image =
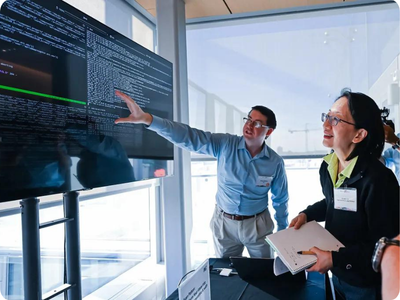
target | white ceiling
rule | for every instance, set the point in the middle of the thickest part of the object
(208, 8)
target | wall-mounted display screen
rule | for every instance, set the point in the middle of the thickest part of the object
(59, 70)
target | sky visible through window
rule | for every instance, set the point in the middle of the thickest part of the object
(295, 64)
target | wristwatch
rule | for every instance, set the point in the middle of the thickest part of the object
(379, 249)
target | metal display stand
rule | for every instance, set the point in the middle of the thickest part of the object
(31, 248)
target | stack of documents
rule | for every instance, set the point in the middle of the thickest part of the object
(288, 242)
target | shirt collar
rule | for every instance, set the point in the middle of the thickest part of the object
(264, 151)
(242, 143)
(332, 161)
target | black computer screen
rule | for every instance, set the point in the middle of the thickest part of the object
(59, 70)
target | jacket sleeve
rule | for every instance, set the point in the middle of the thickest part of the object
(316, 212)
(382, 212)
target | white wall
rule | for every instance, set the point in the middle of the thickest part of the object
(118, 15)
(380, 91)
(93, 8)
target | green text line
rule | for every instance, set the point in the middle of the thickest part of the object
(40, 94)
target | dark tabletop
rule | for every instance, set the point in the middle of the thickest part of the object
(283, 287)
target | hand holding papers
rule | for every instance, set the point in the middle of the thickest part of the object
(289, 241)
(305, 252)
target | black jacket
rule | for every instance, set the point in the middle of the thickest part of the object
(377, 215)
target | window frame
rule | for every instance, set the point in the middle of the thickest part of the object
(236, 19)
(156, 259)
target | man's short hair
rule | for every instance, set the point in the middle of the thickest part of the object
(269, 114)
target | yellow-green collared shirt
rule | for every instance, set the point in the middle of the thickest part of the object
(333, 164)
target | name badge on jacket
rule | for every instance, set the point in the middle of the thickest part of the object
(345, 199)
(264, 181)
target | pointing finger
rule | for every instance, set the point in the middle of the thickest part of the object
(123, 120)
(123, 96)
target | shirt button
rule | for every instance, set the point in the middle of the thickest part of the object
(349, 266)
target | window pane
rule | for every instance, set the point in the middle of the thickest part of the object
(51, 242)
(94, 8)
(304, 190)
(142, 34)
(197, 108)
(115, 236)
(11, 285)
(52, 249)
(220, 115)
(204, 188)
(296, 65)
(115, 229)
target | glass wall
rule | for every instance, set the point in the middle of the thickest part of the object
(115, 236)
(296, 64)
(117, 224)
(302, 176)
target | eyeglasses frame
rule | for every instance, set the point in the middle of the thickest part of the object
(330, 119)
(256, 124)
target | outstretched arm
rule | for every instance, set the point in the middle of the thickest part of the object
(137, 116)
(179, 134)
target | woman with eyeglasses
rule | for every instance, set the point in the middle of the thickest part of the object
(361, 196)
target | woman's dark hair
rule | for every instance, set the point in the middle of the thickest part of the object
(366, 115)
(269, 114)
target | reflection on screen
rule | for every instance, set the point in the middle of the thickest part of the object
(59, 70)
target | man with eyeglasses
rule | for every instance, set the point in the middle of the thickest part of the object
(247, 170)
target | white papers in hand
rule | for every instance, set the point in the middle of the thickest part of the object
(279, 267)
(287, 242)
